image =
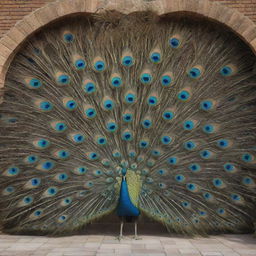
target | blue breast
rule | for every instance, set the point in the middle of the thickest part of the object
(125, 207)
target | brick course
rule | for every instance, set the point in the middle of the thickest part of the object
(12, 11)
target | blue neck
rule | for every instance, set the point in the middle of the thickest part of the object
(125, 207)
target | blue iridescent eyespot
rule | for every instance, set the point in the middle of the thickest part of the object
(168, 115)
(202, 213)
(161, 171)
(63, 79)
(155, 152)
(63, 154)
(146, 123)
(52, 191)
(47, 165)
(78, 138)
(172, 160)
(97, 172)
(226, 71)
(28, 199)
(35, 182)
(108, 104)
(80, 64)
(208, 128)
(220, 211)
(38, 213)
(99, 65)
(166, 139)
(183, 95)
(194, 72)
(152, 101)
(68, 37)
(127, 61)
(128, 117)
(71, 104)
(116, 82)
(185, 204)
(9, 189)
(81, 170)
(205, 154)
(207, 196)
(101, 141)
(174, 42)
(13, 170)
(35, 83)
(188, 125)
(190, 145)
(166, 80)
(217, 182)
(127, 136)
(162, 185)
(93, 156)
(62, 177)
(247, 157)
(31, 159)
(67, 201)
(130, 98)
(132, 153)
(222, 143)
(111, 126)
(90, 113)
(194, 167)
(43, 143)
(179, 178)
(206, 105)
(60, 127)
(62, 218)
(146, 78)
(143, 144)
(46, 106)
(89, 87)
(155, 57)
(235, 197)
(191, 187)
(116, 154)
(248, 181)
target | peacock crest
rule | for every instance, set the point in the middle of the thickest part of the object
(172, 100)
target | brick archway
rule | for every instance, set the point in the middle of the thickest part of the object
(10, 43)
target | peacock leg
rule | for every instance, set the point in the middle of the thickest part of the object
(121, 230)
(135, 231)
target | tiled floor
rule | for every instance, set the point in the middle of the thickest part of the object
(106, 245)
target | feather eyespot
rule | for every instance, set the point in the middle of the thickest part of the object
(34, 83)
(155, 57)
(166, 140)
(184, 95)
(174, 42)
(68, 37)
(146, 78)
(152, 101)
(127, 136)
(127, 61)
(80, 64)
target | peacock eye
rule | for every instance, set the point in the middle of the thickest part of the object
(174, 42)
(68, 37)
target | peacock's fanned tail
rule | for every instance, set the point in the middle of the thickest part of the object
(172, 100)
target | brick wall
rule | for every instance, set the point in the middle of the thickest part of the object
(13, 10)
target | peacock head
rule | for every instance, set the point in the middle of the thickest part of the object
(124, 170)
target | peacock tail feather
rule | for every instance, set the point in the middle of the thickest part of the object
(171, 100)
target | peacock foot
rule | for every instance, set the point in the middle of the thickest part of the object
(119, 238)
(137, 238)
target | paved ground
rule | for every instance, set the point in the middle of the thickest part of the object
(107, 245)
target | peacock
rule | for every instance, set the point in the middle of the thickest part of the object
(133, 114)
